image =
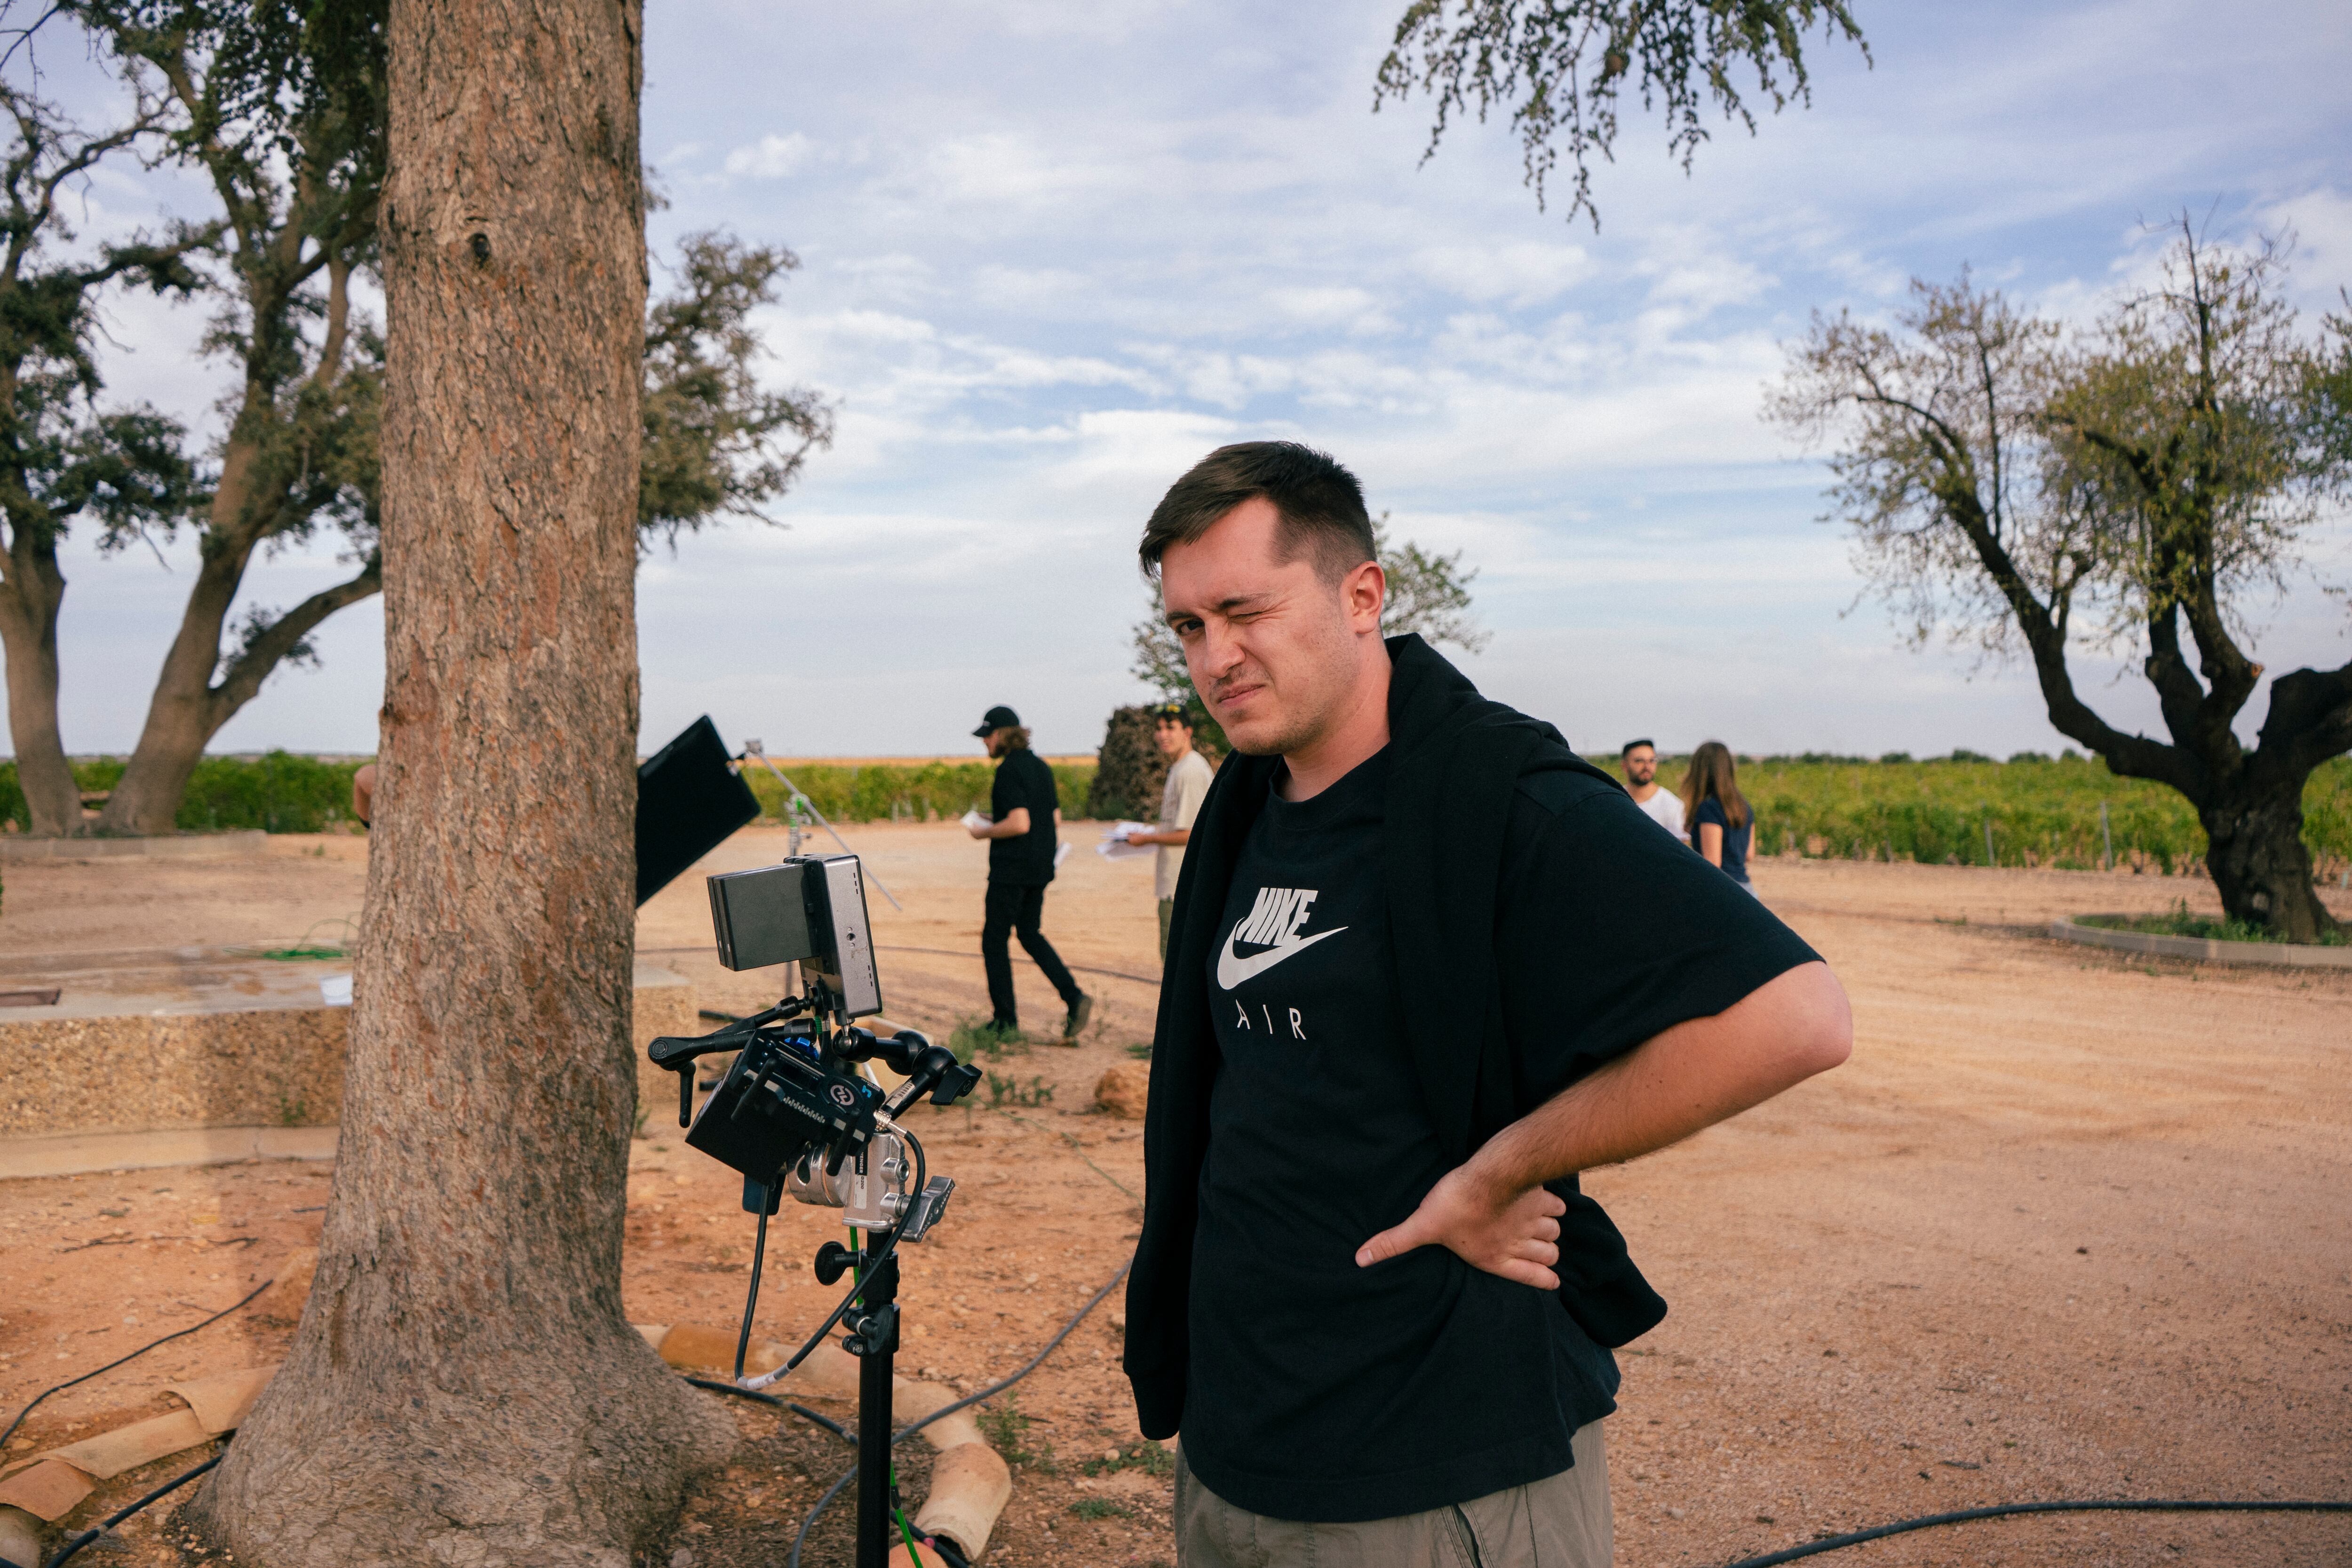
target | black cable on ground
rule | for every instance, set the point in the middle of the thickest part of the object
(828, 1422)
(2120, 1505)
(142, 1350)
(118, 1515)
(716, 1386)
(1151, 980)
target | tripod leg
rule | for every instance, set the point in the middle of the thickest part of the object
(880, 1337)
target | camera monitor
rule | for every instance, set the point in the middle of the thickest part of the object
(812, 911)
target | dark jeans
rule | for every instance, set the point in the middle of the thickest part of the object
(1017, 911)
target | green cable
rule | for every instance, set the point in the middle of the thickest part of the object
(905, 1530)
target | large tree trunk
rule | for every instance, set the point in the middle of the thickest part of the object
(29, 601)
(2261, 866)
(180, 712)
(464, 1387)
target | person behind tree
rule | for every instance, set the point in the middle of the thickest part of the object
(1407, 999)
(1023, 809)
(1721, 824)
(1189, 777)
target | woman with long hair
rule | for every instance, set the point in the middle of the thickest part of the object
(1721, 825)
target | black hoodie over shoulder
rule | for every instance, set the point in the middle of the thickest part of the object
(1538, 926)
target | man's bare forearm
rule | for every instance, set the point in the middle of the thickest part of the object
(1695, 1075)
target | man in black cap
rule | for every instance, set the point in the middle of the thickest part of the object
(1022, 811)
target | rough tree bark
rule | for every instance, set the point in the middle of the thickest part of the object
(31, 593)
(464, 1387)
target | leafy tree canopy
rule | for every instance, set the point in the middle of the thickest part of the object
(2129, 487)
(1559, 68)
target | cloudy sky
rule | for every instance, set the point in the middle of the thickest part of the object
(1055, 251)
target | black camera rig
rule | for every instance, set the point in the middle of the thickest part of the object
(792, 1116)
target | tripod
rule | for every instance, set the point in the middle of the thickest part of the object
(873, 1325)
(774, 1074)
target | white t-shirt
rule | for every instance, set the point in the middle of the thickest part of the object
(1665, 809)
(1188, 778)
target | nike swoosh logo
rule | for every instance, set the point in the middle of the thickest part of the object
(1233, 968)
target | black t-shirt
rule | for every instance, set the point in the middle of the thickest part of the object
(1024, 779)
(1736, 840)
(1317, 1389)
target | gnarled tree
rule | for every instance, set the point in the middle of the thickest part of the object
(62, 454)
(280, 108)
(2111, 489)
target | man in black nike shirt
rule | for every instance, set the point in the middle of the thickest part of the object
(1406, 1002)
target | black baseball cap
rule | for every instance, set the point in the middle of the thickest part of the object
(998, 718)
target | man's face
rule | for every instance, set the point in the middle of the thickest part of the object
(1175, 738)
(994, 742)
(1641, 765)
(1272, 647)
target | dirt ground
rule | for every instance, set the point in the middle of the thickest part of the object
(2068, 1225)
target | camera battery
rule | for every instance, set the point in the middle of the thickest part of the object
(773, 1104)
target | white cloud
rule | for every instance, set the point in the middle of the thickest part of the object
(1056, 253)
(1524, 272)
(773, 157)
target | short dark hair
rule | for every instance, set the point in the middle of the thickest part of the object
(1320, 504)
(1629, 746)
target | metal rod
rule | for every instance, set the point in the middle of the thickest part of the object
(877, 1295)
(751, 749)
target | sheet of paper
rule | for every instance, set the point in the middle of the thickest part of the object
(972, 819)
(1115, 846)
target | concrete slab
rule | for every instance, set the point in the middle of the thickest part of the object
(198, 1039)
(248, 841)
(2285, 954)
(82, 1154)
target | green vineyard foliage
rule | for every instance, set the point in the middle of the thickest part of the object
(905, 792)
(279, 793)
(2043, 812)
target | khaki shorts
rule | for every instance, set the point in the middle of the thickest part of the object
(1561, 1521)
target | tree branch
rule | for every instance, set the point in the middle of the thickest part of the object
(1956, 495)
(241, 681)
(2310, 717)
